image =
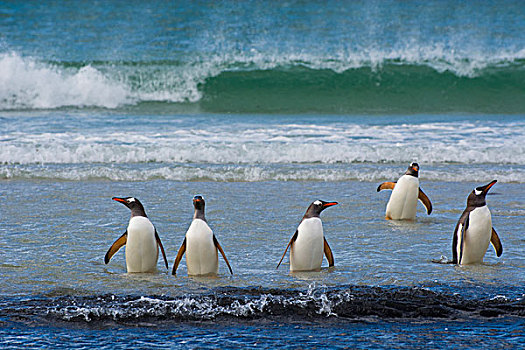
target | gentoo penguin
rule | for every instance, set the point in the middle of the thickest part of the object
(200, 245)
(405, 193)
(474, 230)
(141, 239)
(308, 242)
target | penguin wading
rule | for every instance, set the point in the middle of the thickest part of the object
(402, 204)
(200, 245)
(141, 240)
(474, 230)
(308, 243)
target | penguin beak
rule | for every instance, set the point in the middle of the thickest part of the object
(121, 200)
(415, 168)
(487, 187)
(329, 204)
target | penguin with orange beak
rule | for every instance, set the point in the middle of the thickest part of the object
(402, 204)
(308, 243)
(200, 245)
(141, 240)
(474, 230)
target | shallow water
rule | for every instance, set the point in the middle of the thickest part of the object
(56, 233)
(58, 220)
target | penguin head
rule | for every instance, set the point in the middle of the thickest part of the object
(413, 169)
(198, 202)
(315, 209)
(137, 209)
(477, 196)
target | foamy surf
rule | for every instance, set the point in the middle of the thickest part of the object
(26, 83)
(233, 149)
(257, 173)
(250, 143)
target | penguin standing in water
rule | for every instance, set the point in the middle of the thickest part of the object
(405, 193)
(141, 239)
(474, 230)
(200, 245)
(308, 243)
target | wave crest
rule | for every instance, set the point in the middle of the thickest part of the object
(29, 84)
(411, 80)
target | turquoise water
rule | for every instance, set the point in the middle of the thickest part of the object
(261, 110)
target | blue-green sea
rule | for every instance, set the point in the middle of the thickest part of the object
(261, 108)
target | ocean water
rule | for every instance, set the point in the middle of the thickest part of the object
(261, 109)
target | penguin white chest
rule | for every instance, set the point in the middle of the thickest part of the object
(402, 204)
(201, 253)
(142, 251)
(306, 253)
(477, 236)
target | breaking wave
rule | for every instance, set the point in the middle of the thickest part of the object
(422, 80)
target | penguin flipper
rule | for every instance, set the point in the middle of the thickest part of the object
(458, 231)
(121, 241)
(386, 186)
(463, 228)
(328, 253)
(216, 242)
(425, 200)
(455, 244)
(161, 248)
(180, 253)
(294, 237)
(496, 243)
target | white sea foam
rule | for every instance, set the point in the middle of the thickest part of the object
(255, 173)
(203, 307)
(28, 83)
(431, 143)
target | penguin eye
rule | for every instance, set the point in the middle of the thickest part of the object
(477, 192)
(318, 202)
(130, 200)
